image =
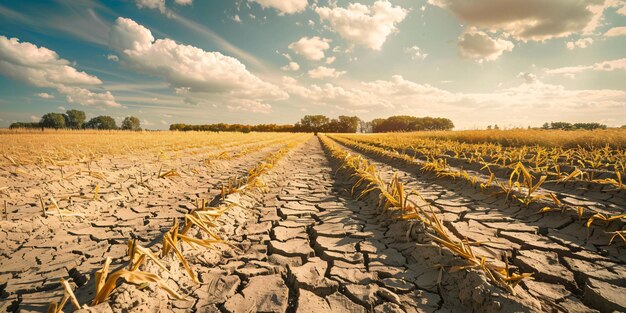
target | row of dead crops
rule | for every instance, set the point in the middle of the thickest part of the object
(203, 218)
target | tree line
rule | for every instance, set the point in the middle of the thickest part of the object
(410, 123)
(574, 126)
(75, 119)
(342, 124)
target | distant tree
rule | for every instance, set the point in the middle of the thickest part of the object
(561, 125)
(74, 119)
(546, 125)
(411, 123)
(496, 127)
(365, 127)
(313, 123)
(52, 120)
(131, 123)
(489, 127)
(589, 126)
(25, 125)
(348, 124)
(623, 126)
(101, 122)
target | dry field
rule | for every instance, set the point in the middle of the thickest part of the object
(272, 222)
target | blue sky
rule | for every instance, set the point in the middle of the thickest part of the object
(483, 62)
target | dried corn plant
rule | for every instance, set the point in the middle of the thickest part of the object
(396, 198)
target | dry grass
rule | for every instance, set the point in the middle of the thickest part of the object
(65, 147)
(395, 198)
(615, 138)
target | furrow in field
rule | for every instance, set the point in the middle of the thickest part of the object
(574, 192)
(563, 256)
(43, 250)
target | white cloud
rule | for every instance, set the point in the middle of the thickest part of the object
(45, 95)
(236, 18)
(193, 71)
(84, 96)
(35, 119)
(477, 45)
(284, 6)
(42, 67)
(416, 53)
(112, 57)
(311, 48)
(330, 60)
(580, 43)
(529, 19)
(604, 66)
(61, 108)
(152, 4)
(325, 72)
(246, 105)
(616, 31)
(528, 78)
(291, 66)
(529, 103)
(622, 10)
(365, 25)
(184, 2)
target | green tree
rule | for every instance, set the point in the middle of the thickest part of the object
(52, 120)
(131, 123)
(24, 125)
(101, 122)
(313, 123)
(411, 123)
(348, 124)
(589, 126)
(74, 119)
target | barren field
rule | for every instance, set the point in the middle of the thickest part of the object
(281, 222)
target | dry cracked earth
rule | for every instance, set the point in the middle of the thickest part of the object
(303, 244)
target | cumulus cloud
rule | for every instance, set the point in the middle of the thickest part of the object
(291, 66)
(84, 96)
(284, 6)
(330, 60)
(616, 31)
(42, 67)
(580, 43)
(477, 45)
(112, 57)
(416, 53)
(325, 72)
(365, 25)
(528, 78)
(190, 69)
(45, 95)
(183, 2)
(604, 66)
(531, 102)
(152, 4)
(311, 48)
(536, 20)
(246, 105)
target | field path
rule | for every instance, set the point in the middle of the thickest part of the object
(313, 249)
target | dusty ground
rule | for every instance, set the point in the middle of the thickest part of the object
(302, 244)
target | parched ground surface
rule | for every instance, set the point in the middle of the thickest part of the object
(304, 244)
